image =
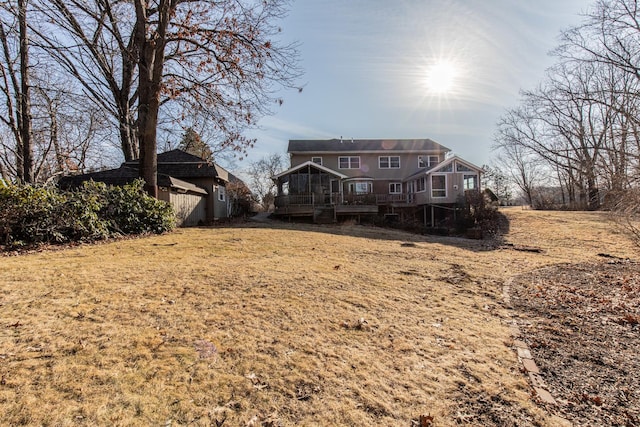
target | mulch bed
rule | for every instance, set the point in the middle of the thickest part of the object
(582, 325)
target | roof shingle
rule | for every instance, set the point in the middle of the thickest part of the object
(364, 145)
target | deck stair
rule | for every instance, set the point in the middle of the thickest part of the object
(324, 215)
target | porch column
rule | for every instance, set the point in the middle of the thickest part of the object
(433, 216)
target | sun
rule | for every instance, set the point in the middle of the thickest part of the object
(441, 77)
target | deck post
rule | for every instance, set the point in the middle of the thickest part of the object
(433, 216)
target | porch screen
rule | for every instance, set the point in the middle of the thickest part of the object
(298, 183)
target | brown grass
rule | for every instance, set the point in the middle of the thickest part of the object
(276, 324)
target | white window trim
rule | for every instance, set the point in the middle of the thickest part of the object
(313, 160)
(221, 193)
(462, 168)
(353, 187)
(395, 184)
(350, 158)
(389, 162)
(428, 163)
(439, 189)
(476, 181)
(423, 188)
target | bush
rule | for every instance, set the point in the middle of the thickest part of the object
(624, 207)
(130, 210)
(32, 215)
(480, 213)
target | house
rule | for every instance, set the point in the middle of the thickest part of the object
(194, 186)
(416, 178)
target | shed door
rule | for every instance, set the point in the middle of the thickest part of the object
(191, 209)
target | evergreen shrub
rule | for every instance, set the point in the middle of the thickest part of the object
(32, 215)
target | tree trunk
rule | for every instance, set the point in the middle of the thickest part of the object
(593, 194)
(25, 101)
(128, 133)
(151, 62)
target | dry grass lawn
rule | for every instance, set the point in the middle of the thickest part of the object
(278, 325)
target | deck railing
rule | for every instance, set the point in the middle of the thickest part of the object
(311, 199)
(385, 199)
(305, 199)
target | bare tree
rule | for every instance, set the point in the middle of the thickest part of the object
(524, 168)
(498, 182)
(177, 58)
(15, 85)
(564, 124)
(609, 39)
(68, 135)
(260, 174)
(91, 42)
(609, 36)
(583, 120)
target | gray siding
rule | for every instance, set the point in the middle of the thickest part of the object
(369, 164)
(190, 209)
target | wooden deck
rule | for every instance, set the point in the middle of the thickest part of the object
(301, 205)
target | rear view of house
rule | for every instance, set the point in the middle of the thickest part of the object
(332, 178)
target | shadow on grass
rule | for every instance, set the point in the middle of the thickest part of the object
(492, 235)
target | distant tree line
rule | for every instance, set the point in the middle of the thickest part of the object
(574, 141)
(85, 79)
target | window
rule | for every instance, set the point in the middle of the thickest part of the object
(317, 160)
(360, 187)
(463, 168)
(395, 188)
(428, 161)
(438, 186)
(389, 162)
(411, 187)
(446, 168)
(422, 184)
(470, 182)
(221, 193)
(349, 162)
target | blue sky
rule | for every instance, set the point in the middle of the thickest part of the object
(366, 62)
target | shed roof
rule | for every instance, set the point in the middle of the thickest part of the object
(180, 164)
(125, 175)
(364, 145)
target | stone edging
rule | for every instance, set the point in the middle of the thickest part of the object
(524, 354)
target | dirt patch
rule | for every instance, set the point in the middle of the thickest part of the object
(582, 324)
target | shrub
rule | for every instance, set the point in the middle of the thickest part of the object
(624, 207)
(30, 214)
(130, 210)
(478, 211)
(82, 209)
(37, 214)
